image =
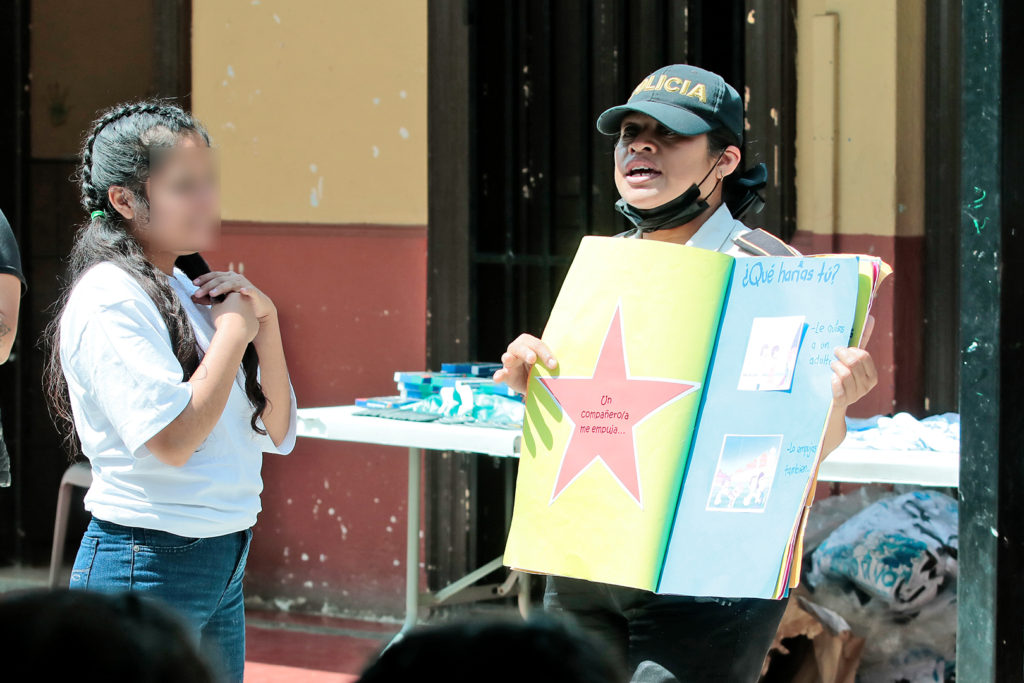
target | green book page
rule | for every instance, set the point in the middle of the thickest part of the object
(607, 433)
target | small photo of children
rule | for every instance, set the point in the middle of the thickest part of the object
(745, 471)
(771, 353)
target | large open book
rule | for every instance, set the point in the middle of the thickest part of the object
(675, 447)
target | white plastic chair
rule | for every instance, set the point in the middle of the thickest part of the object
(80, 475)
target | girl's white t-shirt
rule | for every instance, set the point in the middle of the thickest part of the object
(126, 385)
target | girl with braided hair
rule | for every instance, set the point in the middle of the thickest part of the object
(171, 379)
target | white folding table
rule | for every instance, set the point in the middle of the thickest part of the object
(339, 423)
(871, 466)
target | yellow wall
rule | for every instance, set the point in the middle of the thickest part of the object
(318, 107)
(909, 143)
(865, 174)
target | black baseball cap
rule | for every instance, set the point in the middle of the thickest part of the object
(686, 99)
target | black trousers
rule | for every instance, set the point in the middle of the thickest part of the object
(669, 637)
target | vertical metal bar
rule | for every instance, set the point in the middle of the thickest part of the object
(545, 181)
(451, 160)
(412, 547)
(412, 542)
(609, 87)
(769, 67)
(20, 15)
(666, 32)
(510, 489)
(587, 104)
(942, 216)
(676, 21)
(514, 72)
(987, 649)
(695, 33)
(172, 50)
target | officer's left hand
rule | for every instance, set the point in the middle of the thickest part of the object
(854, 373)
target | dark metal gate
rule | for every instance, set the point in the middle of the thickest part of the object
(519, 175)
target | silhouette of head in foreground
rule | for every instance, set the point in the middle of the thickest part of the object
(83, 637)
(538, 650)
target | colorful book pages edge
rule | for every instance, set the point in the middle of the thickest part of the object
(872, 273)
(878, 272)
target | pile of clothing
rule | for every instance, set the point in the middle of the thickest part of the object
(890, 571)
(904, 432)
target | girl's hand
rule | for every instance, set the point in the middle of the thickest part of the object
(236, 315)
(216, 283)
(854, 371)
(519, 359)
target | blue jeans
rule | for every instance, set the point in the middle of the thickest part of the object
(200, 577)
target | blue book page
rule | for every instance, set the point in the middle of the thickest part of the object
(760, 425)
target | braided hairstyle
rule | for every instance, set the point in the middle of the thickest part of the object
(117, 153)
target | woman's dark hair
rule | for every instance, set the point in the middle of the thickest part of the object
(739, 188)
(719, 139)
(117, 153)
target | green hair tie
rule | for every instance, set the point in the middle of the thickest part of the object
(96, 213)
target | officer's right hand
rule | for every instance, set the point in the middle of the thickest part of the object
(517, 361)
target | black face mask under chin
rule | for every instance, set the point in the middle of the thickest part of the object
(679, 211)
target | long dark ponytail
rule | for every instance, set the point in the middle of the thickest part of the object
(117, 153)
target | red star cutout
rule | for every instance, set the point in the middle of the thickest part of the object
(609, 438)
